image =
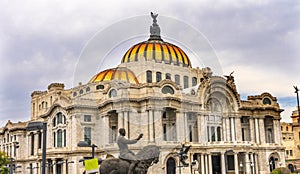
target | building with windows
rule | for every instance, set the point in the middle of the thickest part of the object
(291, 142)
(155, 91)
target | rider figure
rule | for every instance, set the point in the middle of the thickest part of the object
(125, 153)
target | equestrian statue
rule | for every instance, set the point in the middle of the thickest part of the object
(128, 162)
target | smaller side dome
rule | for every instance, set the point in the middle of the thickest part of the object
(119, 73)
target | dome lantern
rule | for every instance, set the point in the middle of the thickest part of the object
(154, 29)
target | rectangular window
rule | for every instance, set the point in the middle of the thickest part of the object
(32, 144)
(287, 152)
(15, 137)
(191, 133)
(65, 138)
(59, 138)
(291, 152)
(185, 82)
(165, 132)
(219, 133)
(88, 135)
(39, 140)
(149, 76)
(213, 134)
(177, 79)
(54, 139)
(243, 134)
(230, 162)
(208, 134)
(87, 118)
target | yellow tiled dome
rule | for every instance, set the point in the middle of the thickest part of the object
(158, 50)
(119, 73)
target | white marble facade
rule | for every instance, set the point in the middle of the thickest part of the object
(171, 103)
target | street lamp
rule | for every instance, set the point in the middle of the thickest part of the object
(85, 144)
(296, 91)
(38, 126)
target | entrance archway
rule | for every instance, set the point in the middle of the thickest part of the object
(272, 163)
(291, 167)
(171, 166)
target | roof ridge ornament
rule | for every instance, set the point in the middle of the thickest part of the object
(154, 29)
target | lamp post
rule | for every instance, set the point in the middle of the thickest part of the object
(85, 144)
(296, 91)
(38, 126)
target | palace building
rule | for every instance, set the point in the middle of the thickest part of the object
(155, 91)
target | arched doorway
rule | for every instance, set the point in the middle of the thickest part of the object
(171, 166)
(272, 163)
(291, 167)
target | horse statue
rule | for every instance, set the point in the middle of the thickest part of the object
(148, 156)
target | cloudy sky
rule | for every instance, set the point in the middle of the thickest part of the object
(41, 43)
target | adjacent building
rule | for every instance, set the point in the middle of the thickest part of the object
(291, 142)
(155, 91)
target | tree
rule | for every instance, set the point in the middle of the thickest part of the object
(4, 162)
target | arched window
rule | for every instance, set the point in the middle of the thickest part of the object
(59, 138)
(99, 87)
(112, 93)
(194, 81)
(59, 118)
(185, 82)
(54, 122)
(158, 76)
(168, 76)
(266, 101)
(167, 90)
(149, 76)
(177, 79)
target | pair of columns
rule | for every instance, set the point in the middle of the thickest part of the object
(249, 165)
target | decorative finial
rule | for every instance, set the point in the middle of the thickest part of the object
(154, 28)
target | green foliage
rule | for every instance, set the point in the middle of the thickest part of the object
(281, 170)
(4, 162)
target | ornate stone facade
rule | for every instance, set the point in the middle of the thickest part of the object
(154, 91)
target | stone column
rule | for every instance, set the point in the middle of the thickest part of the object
(206, 163)
(236, 163)
(200, 129)
(252, 130)
(232, 127)
(106, 131)
(223, 168)
(180, 128)
(275, 132)
(150, 125)
(256, 163)
(121, 116)
(185, 127)
(228, 130)
(252, 162)
(238, 129)
(210, 164)
(257, 131)
(202, 164)
(224, 132)
(247, 163)
(262, 130)
(158, 129)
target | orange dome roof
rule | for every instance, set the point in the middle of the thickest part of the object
(158, 50)
(119, 73)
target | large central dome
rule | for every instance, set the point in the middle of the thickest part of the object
(156, 49)
(159, 51)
